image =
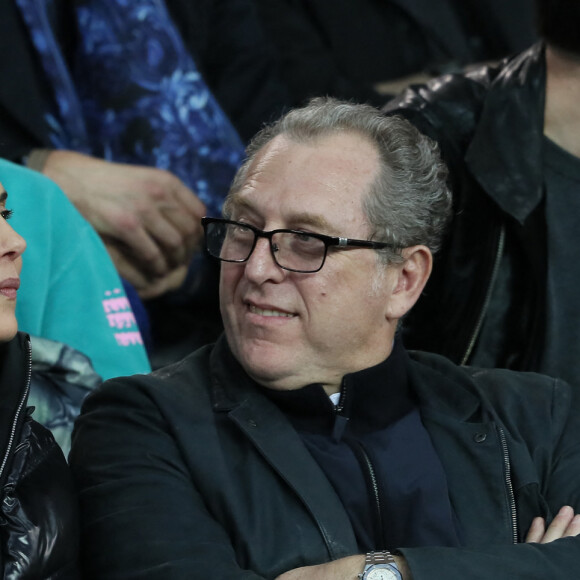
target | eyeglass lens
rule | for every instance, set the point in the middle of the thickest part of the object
(293, 251)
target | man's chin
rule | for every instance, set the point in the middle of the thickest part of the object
(271, 370)
(271, 376)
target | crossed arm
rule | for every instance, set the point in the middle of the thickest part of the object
(565, 524)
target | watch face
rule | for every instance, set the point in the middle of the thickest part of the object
(380, 573)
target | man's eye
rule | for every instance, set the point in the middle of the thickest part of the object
(6, 214)
(238, 231)
(306, 239)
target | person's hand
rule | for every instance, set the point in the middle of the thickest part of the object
(148, 219)
(146, 286)
(343, 569)
(565, 524)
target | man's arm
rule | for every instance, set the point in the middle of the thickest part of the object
(565, 524)
(148, 219)
(343, 569)
(141, 513)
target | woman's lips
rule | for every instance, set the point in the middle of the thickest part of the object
(9, 287)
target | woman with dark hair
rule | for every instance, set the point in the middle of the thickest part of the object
(38, 512)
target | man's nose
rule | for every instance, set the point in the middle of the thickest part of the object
(261, 265)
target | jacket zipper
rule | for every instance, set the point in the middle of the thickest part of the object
(364, 459)
(18, 409)
(340, 420)
(485, 306)
(374, 490)
(509, 485)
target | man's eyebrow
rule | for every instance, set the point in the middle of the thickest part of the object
(315, 221)
(297, 220)
(237, 200)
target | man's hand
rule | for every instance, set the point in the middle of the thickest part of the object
(566, 523)
(343, 569)
(149, 220)
(563, 525)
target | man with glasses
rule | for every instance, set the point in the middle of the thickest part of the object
(307, 436)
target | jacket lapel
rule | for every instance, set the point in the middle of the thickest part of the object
(277, 441)
(280, 445)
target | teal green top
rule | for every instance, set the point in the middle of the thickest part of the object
(70, 290)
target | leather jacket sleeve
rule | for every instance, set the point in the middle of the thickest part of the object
(39, 532)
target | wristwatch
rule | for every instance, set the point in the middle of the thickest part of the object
(380, 566)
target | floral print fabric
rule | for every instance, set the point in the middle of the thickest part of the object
(133, 94)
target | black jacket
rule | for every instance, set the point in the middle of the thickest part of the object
(39, 535)
(191, 472)
(341, 48)
(489, 125)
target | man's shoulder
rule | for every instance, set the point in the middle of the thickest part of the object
(486, 378)
(195, 364)
(509, 394)
(185, 380)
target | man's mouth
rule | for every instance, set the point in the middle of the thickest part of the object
(269, 312)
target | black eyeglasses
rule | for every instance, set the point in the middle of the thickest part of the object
(292, 250)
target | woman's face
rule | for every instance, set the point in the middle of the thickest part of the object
(11, 248)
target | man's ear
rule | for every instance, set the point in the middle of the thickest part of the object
(409, 280)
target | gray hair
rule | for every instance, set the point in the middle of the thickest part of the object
(409, 202)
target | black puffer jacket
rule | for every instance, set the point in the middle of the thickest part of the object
(489, 125)
(38, 509)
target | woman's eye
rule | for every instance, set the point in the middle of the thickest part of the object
(6, 213)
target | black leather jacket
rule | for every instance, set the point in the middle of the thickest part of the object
(489, 125)
(39, 535)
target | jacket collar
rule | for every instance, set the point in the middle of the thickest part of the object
(505, 154)
(370, 399)
(444, 389)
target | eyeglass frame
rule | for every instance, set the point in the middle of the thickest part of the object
(336, 242)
